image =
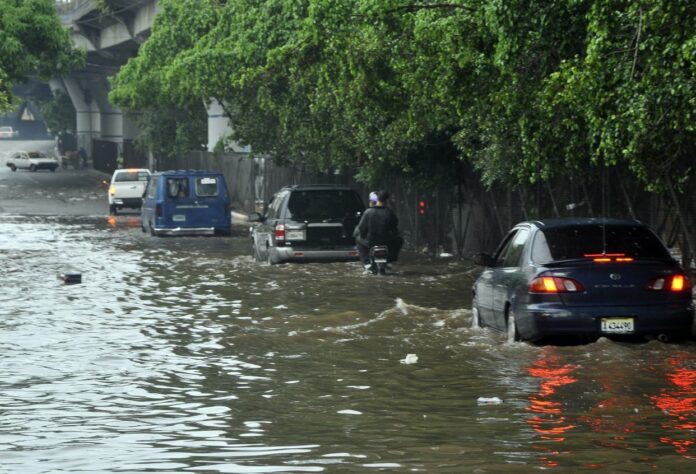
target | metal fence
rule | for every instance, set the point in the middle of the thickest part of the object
(467, 218)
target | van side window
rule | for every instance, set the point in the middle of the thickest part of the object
(152, 188)
(177, 187)
(206, 186)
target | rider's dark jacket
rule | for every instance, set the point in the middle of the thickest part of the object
(378, 226)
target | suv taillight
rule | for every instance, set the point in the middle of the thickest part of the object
(280, 232)
(675, 283)
(547, 284)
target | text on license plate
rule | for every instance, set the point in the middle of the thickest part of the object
(295, 234)
(617, 325)
(179, 218)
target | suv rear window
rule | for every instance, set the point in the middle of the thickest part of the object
(323, 204)
(131, 176)
(573, 242)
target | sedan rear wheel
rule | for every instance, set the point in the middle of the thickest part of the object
(32, 168)
(512, 334)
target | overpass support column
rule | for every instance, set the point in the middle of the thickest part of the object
(219, 127)
(88, 117)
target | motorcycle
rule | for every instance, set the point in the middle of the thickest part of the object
(378, 259)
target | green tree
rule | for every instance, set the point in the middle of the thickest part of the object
(32, 42)
(169, 123)
(59, 113)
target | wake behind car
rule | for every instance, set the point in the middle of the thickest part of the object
(583, 278)
(127, 188)
(186, 202)
(307, 222)
(32, 161)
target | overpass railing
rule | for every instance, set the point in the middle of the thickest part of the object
(65, 6)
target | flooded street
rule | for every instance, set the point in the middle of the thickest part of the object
(185, 355)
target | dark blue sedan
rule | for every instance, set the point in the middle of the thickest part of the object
(583, 278)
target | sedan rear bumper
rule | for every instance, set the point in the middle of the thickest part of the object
(553, 320)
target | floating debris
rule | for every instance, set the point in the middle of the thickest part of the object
(71, 278)
(489, 401)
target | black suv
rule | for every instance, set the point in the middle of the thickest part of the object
(308, 222)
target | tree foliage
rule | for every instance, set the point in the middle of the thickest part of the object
(525, 90)
(32, 42)
(58, 113)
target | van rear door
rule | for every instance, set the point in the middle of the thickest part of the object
(196, 201)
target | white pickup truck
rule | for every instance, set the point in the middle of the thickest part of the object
(31, 160)
(127, 188)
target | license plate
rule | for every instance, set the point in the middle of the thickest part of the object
(294, 234)
(380, 260)
(179, 218)
(617, 325)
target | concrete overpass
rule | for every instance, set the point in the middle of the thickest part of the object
(110, 37)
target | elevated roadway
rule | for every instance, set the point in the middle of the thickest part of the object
(110, 31)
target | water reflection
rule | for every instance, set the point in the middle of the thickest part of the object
(124, 222)
(678, 402)
(549, 421)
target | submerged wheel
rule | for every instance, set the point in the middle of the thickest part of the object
(271, 259)
(32, 168)
(512, 334)
(13, 167)
(255, 251)
(112, 209)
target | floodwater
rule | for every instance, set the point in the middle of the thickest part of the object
(185, 355)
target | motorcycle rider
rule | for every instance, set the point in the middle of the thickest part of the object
(378, 226)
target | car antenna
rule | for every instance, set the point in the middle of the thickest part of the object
(604, 207)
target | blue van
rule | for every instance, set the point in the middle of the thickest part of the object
(186, 202)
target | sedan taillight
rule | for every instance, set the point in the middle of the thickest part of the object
(675, 283)
(548, 284)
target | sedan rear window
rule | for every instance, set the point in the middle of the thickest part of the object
(324, 204)
(573, 242)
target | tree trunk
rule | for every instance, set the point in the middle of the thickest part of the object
(688, 237)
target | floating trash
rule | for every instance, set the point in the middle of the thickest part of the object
(71, 278)
(409, 359)
(489, 401)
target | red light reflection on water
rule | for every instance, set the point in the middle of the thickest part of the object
(679, 403)
(548, 420)
(129, 222)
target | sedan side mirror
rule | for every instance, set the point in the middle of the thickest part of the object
(483, 259)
